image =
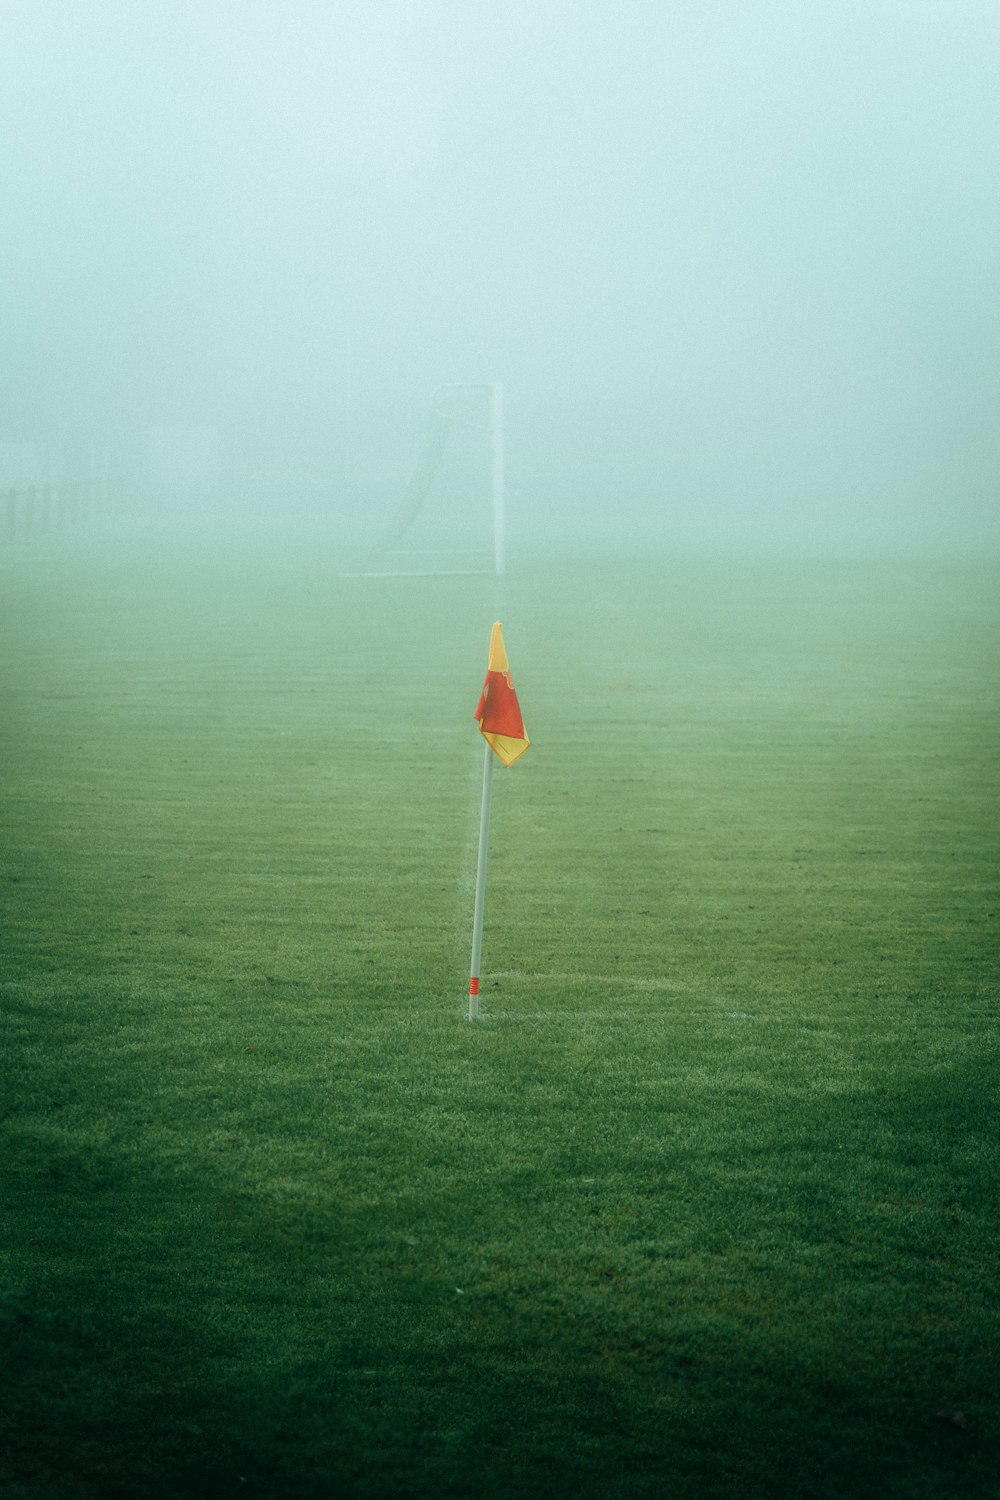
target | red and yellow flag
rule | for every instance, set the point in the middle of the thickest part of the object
(498, 710)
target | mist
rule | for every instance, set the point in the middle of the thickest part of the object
(734, 264)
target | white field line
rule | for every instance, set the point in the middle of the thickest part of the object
(617, 980)
(425, 573)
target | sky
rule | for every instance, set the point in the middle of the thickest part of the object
(712, 242)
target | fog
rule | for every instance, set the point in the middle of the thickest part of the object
(734, 261)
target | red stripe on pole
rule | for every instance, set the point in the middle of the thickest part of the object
(473, 986)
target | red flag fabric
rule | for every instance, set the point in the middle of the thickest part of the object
(498, 711)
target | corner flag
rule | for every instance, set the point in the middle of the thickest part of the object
(498, 710)
(502, 727)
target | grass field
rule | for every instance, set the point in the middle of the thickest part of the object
(704, 1206)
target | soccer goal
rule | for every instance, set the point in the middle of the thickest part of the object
(451, 517)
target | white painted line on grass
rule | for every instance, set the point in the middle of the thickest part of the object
(613, 979)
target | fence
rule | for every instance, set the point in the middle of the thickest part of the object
(31, 507)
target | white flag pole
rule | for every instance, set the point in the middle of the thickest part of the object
(477, 919)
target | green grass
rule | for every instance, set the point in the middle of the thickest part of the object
(705, 1205)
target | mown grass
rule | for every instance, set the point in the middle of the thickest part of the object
(705, 1205)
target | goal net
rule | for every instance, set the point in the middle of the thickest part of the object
(450, 519)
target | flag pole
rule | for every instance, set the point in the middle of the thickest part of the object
(477, 919)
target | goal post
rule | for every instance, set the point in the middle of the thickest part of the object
(465, 431)
(497, 479)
